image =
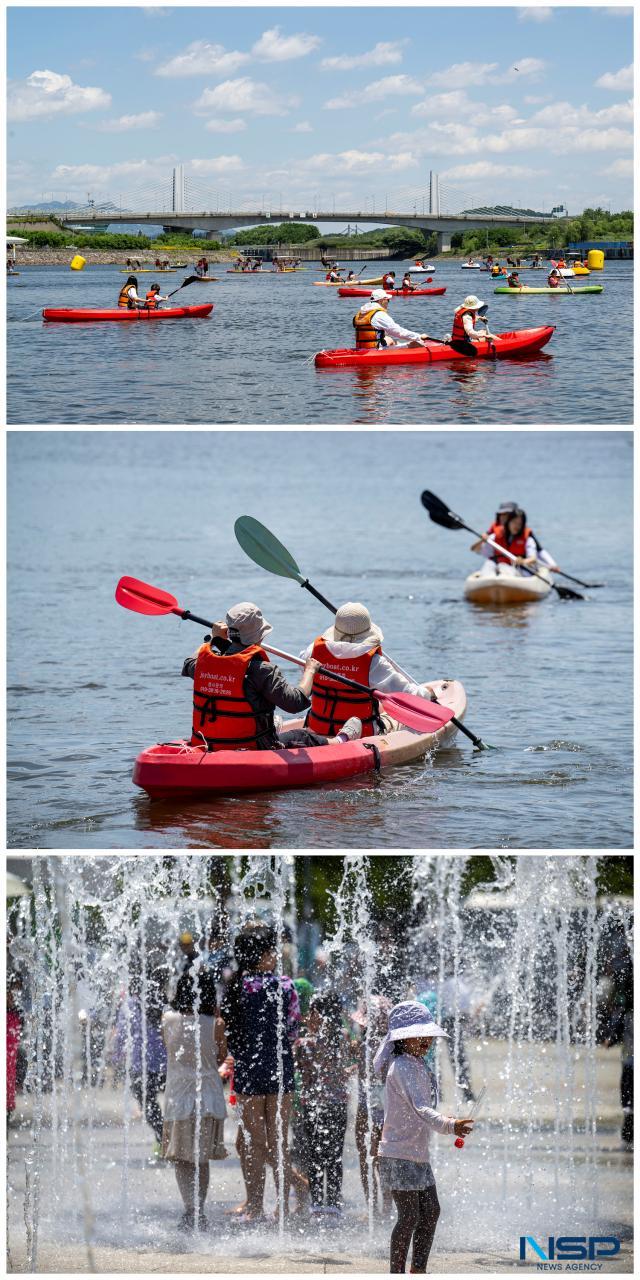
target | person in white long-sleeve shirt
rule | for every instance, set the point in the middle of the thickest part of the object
(376, 328)
(515, 536)
(352, 647)
(411, 1096)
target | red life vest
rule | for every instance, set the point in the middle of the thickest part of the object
(388, 282)
(458, 331)
(366, 336)
(333, 703)
(517, 546)
(222, 713)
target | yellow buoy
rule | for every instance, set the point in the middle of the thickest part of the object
(77, 263)
(595, 259)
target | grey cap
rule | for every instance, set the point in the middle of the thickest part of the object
(246, 622)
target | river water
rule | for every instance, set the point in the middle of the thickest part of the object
(251, 361)
(90, 685)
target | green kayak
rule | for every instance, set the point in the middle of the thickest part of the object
(583, 288)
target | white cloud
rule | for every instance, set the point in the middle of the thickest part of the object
(274, 47)
(455, 104)
(203, 59)
(359, 162)
(533, 99)
(302, 127)
(486, 169)
(247, 95)
(619, 113)
(124, 124)
(388, 86)
(383, 54)
(619, 81)
(225, 126)
(45, 93)
(463, 74)
(537, 13)
(101, 175)
(619, 169)
(218, 164)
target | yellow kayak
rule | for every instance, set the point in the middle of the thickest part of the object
(334, 284)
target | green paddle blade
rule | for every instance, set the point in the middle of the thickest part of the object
(261, 546)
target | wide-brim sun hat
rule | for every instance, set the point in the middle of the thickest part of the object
(353, 623)
(407, 1021)
(472, 303)
(246, 621)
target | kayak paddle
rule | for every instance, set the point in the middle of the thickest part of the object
(590, 586)
(264, 549)
(189, 280)
(440, 514)
(415, 713)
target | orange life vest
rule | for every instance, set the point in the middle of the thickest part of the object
(333, 703)
(458, 331)
(491, 533)
(366, 336)
(222, 713)
(152, 299)
(517, 546)
(124, 300)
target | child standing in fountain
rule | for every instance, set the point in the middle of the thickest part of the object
(409, 1115)
(194, 1099)
(322, 1057)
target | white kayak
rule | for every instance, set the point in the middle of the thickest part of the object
(506, 584)
(565, 271)
(471, 266)
(417, 271)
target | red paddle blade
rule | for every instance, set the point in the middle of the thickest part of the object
(143, 598)
(415, 713)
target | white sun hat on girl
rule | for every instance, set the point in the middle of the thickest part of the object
(406, 1020)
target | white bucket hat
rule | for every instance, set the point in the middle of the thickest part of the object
(353, 623)
(379, 295)
(245, 621)
(406, 1020)
(472, 303)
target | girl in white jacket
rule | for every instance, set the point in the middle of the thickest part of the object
(409, 1114)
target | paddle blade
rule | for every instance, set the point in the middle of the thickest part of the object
(264, 549)
(140, 597)
(566, 593)
(415, 713)
(438, 512)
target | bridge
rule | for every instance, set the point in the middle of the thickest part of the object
(184, 204)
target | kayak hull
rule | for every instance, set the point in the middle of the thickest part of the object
(174, 769)
(76, 315)
(522, 342)
(501, 584)
(418, 271)
(580, 288)
(395, 293)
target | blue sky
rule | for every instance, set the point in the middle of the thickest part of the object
(315, 107)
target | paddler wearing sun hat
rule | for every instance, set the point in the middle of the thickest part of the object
(464, 319)
(376, 328)
(352, 646)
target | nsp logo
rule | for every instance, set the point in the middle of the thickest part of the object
(571, 1248)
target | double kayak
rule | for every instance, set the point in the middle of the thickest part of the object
(348, 292)
(70, 315)
(506, 584)
(416, 271)
(522, 342)
(336, 284)
(579, 288)
(174, 769)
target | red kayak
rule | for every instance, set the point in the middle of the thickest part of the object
(173, 769)
(70, 315)
(395, 293)
(522, 342)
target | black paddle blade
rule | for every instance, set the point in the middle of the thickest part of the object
(439, 513)
(566, 593)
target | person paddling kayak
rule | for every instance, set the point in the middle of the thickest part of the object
(389, 280)
(407, 282)
(464, 319)
(129, 296)
(514, 281)
(154, 297)
(352, 646)
(516, 536)
(554, 279)
(376, 328)
(237, 689)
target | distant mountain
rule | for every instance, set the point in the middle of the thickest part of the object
(53, 206)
